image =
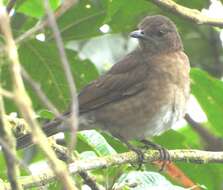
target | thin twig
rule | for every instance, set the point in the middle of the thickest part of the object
(213, 143)
(88, 180)
(43, 23)
(193, 15)
(6, 93)
(31, 32)
(73, 117)
(10, 5)
(188, 156)
(24, 104)
(14, 156)
(64, 155)
(6, 134)
(67, 4)
(42, 96)
(7, 137)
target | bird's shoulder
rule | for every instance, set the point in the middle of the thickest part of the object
(124, 79)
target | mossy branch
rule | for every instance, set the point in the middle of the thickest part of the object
(193, 15)
(188, 156)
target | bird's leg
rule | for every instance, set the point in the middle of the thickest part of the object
(138, 151)
(164, 154)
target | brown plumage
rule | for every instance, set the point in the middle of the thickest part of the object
(142, 95)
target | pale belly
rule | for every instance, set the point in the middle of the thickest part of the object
(148, 127)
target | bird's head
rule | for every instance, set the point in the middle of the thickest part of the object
(157, 34)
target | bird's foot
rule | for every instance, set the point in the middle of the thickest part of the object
(164, 154)
(139, 152)
(140, 155)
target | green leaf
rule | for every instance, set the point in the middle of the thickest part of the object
(124, 15)
(3, 173)
(208, 175)
(208, 91)
(137, 180)
(191, 138)
(21, 23)
(115, 143)
(97, 142)
(198, 4)
(45, 114)
(35, 8)
(83, 20)
(169, 139)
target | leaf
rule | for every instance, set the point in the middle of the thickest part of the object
(21, 23)
(170, 139)
(83, 20)
(3, 173)
(137, 180)
(45, 114)
(124, 15)
(115, 143)
(208, 91)
(192, 139)
(198, 4)
(97, 142)
(208, 175)
(35, 8)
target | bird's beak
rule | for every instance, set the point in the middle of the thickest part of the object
(137, 34)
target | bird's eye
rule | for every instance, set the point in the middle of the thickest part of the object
(161, 33)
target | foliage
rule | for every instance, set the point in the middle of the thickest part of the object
(80, 25)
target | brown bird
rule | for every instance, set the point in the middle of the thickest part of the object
(142, 95)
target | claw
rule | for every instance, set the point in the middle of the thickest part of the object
(140, 155)
(164, 154)
(138, 151)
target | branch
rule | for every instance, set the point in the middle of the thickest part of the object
(193, 15)
(7, 137)
(213, 143)
(10, 5)
(64, 154)
(13, 155)
(73, 116)
(189, 156)
(6, 93)
(38, 90)
(43, 23)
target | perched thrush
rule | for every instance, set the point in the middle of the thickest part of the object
(143, 94)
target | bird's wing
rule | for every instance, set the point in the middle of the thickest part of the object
(125, 79)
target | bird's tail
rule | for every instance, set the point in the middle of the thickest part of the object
(50, 128)
(53, 127)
